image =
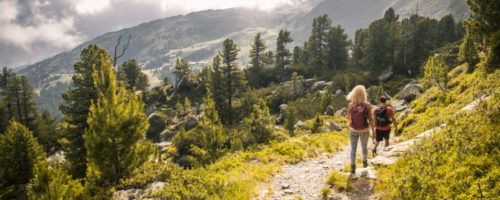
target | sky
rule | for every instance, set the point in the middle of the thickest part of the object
(32, 30)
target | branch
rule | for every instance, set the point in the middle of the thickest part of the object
(124, 48)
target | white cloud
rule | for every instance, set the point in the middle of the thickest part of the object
(8, 10)
(91, 6)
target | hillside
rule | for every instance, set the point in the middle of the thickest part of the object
(197, 37)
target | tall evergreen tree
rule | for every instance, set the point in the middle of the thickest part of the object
(468, 52)
(317, 43)
(231, 76)
(282, 52)
(4, 116)
(485, 24)
(291, 119)
(337, 48)
(76, 106)
(28, 104)
(216, 86)
(375, 48)
(47, 133)
(446, 30)
(19, 151)
(256, 70)
(357, 51)
(117, 128)
(259, 122)
(132, 76)
(181, 71)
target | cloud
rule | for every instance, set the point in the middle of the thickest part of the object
(34, 29)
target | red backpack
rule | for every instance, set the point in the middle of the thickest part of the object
(359, 116)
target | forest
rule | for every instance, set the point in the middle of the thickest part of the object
(220, 133)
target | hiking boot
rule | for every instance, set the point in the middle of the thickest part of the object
(365, 164)
(353, 169)
(374, 152)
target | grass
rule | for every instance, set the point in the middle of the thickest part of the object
(325, 192)
(341, 182)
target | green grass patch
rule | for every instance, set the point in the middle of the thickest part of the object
(341, 182)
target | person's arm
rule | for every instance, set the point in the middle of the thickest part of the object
(349, 114)
(370, 120)
(395, 123)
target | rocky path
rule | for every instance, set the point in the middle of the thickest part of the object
(305, 180)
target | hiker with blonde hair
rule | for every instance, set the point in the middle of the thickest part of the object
(360, 123)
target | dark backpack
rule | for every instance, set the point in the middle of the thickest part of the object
(381, 117)
(359, 116)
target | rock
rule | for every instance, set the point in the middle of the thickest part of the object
(190, 122)
(329, 84)
(57, 157)
(288, 191)
(285, 186)
(398, 105)
(403, 115)
(155, 186)
(282, 116)
(129, 194)
(338, 92)
(386, 74)
(308, 82)
(319, 85)
(410, 92)
(167, 134)
(163, 145)
(299, 124)
(341, 112)
(156, 125)
(333, 126)
(329, 110)
(472, 105)
(335, 197)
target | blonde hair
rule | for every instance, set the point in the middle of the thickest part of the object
(358, 94)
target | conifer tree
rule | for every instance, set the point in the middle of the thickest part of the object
(282, 52)
(317, 43)
(19, 151)
(4, 116)
(181, 71)
(256, 70)
(436, 73)
(28, 104)
(468, 52)
(291, 119)
(47, 134)
(53, 182)
(76, 106)
(337, 48)
(231, 77)
(259, 122)
(359, 39)
(117, 127)
(132, 76)
(446, 30)
(216, 85)
(317, 124)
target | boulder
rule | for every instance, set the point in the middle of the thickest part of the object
(386, 74)
(308, 82)
(282, 116)
(319, 85)
(156, 124)
(57, 157)
(341, 112)
(338, 92)
(290, 88)
(333, 126)
(398, 105)
(299, 125)
(163, 146)
(167, 134)
(410, 92)
(329, 110)
(190, 122)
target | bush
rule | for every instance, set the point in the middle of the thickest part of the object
(339, 181)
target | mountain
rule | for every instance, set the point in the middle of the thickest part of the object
(198, 36)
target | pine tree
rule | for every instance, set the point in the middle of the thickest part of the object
(187, 106)
(181, 71)
(4, 76)
(231, 77)
(436, 73)
(337, 48)
(4, 116)
(48, 134)
(256, 70)
(132, 76)
(291, 119)
(282, 52)
(468, 52)
(359, 39)
(259, 122)
(486, 24)
(28, 104)
(376, 47)
(52, 182)
(76, 106)
(216, 85)
(446, 30)
(317, 124)
(317, 43)
(117, 128)
(19, 151)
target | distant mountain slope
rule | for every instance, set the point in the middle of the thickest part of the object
(198, 36)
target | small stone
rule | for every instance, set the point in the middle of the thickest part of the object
(285, 186)
(288, 191)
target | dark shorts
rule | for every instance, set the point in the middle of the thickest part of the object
(380, 135)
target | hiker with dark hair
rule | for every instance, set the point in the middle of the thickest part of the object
(360, 123)
(383, 116)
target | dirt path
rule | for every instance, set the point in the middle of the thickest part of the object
(305, 180)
